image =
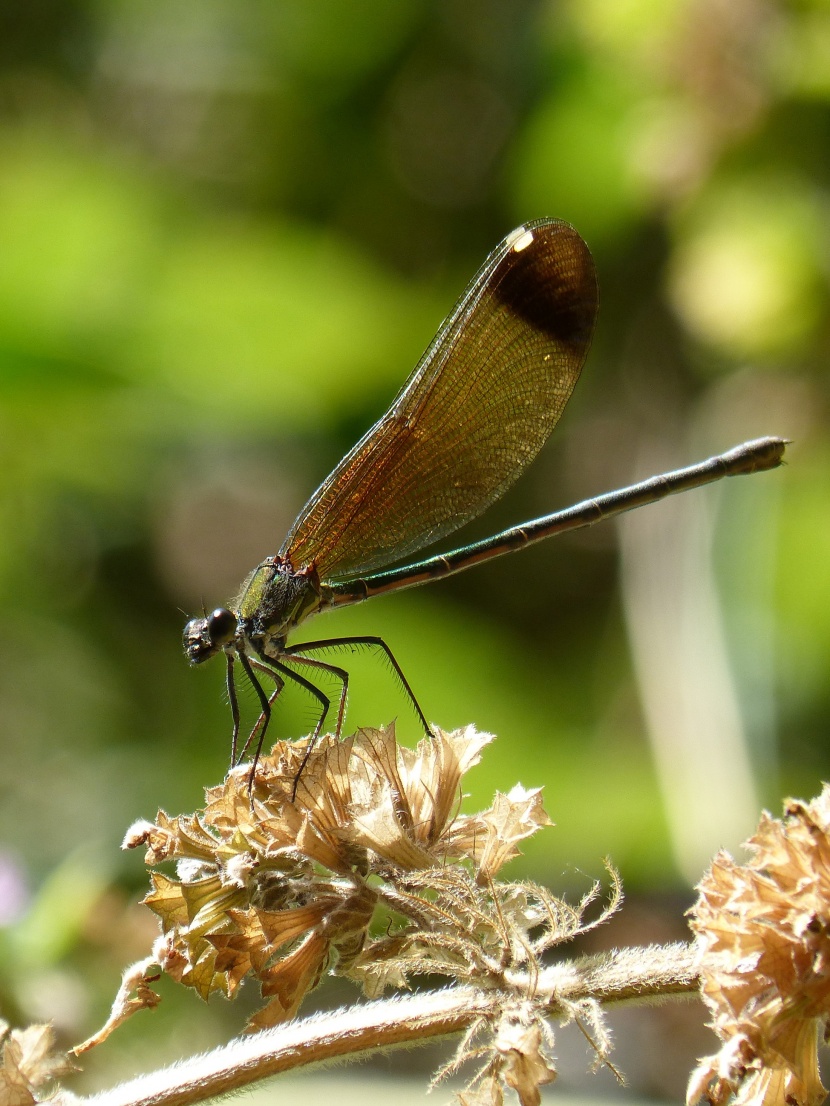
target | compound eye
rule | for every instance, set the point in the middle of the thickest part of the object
(221, 625)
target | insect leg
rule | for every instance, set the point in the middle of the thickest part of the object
(265, 703)
(295, 654)
(262, 722)
(324, 701)
(374, 643)
(231, 684)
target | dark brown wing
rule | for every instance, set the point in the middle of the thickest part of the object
(474, 413)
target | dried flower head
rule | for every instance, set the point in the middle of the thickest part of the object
(763, 932)
(359, 865)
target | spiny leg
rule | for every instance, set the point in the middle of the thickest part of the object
(324, 701)
(296, 657)
(373, 642)
(232, 699)
(262, 722)
(265, 704)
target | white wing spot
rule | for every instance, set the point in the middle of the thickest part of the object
(520, 239)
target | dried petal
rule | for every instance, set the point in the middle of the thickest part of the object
(524, 1065)
(30, 1060)
(289, 980)
(493, 836)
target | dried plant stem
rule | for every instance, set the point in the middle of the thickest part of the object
(638, 975)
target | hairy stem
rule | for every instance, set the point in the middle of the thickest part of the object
(637, 975)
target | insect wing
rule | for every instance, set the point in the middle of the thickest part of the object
(473, 414)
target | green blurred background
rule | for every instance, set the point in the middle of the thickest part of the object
(227, 231)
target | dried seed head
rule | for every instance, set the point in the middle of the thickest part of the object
(763, 932)
(281, 881)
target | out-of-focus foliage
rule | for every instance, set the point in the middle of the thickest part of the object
(227, 231)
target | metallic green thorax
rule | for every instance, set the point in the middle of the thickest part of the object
(274, 600)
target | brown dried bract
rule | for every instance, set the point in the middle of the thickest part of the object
(361, 867)
(764, 937)
(30, 1061)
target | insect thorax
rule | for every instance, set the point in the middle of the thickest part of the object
(274, 600)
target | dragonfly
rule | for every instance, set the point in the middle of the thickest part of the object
(473, 414)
